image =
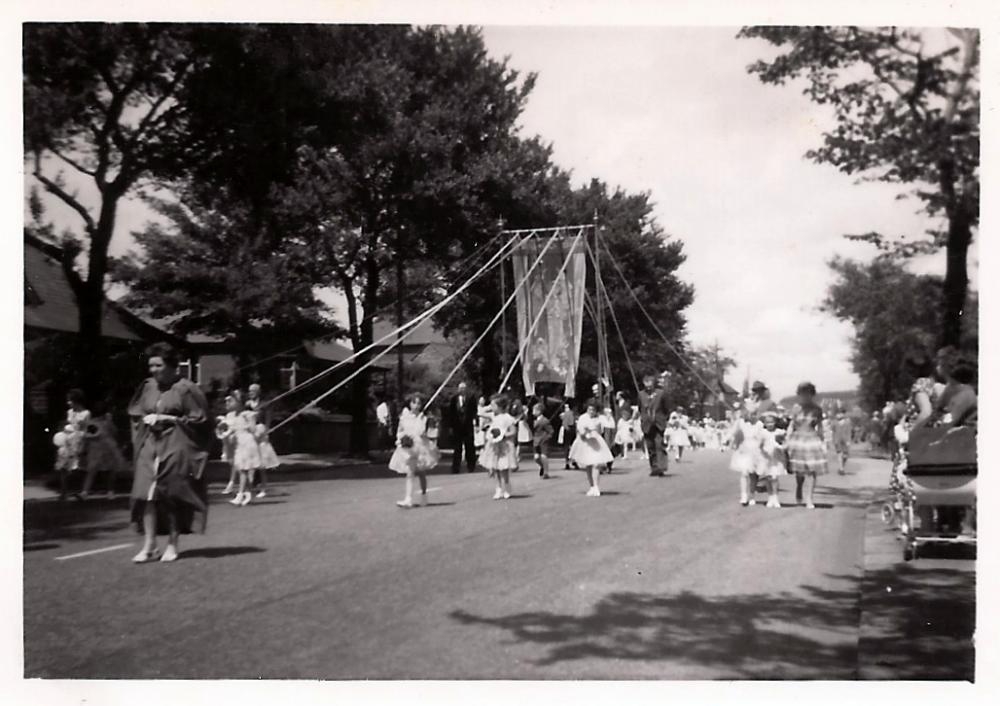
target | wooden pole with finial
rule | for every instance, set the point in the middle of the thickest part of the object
(503, 320)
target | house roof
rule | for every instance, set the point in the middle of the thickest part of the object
(333, 352)
(49, 302)
(424, 334)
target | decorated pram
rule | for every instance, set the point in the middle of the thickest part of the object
(938, 472)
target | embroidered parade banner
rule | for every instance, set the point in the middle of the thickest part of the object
(552, 348)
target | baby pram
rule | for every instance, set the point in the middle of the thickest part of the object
(939, 474)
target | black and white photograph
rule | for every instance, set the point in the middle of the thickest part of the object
(524, 348)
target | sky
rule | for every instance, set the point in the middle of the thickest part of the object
(672, 111)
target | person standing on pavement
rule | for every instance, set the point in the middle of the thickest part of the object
(462, 413)
(842, 440)
(654, 411)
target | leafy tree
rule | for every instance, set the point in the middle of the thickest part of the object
(894, 313)
(100, 101)
(905, 113)
(204, 275)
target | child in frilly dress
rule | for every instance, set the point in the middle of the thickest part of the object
(268, 458)
(589, 450)
(242, 445)
(746, 444)
(69, 442)
(414, 454)
(499, 455)
(772, 458)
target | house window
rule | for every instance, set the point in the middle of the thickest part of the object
(288, 376)
(189, 370)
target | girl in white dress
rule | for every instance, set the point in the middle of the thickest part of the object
(677, 436)
(240, 442)
(499, 456)
(623, 437)
(70, 450)
(772, 457)
(414, 454)
(268, 458)
(589, 450)
(746, 444)
(483, 415)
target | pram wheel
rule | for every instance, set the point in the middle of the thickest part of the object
(888, 513)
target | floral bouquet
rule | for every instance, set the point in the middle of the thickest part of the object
(406, 441)
(496, 434)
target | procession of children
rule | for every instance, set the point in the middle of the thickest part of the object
(764, 445)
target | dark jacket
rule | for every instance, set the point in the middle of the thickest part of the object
(461, 422)
(654, 410)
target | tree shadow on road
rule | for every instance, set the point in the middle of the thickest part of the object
(217, 552)
(807, 634)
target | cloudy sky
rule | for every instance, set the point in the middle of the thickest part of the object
(672, 110)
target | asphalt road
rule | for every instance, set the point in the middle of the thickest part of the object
(660, 578)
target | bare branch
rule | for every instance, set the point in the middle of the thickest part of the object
(67, 198)
(71, 162)
(167, 94)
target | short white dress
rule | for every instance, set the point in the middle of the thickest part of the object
(268, 457)
(523, 432)
(624, 434)
(484, 414)
(678, 436)
(246, 453)
(420, 455)
(589, 447)
(499, 453)
(772, 453)
(746, 444)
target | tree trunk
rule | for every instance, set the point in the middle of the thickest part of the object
(89, 354)
(956, 279)
(361, 384)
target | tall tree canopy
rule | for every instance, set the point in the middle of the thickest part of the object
(906, 104)
(894, 313)
(398, 144)
(100, 101)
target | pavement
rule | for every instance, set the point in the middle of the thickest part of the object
(659, 578)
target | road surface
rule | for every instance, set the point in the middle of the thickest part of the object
(660, 578)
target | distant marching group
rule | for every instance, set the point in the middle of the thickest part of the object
(765, 442)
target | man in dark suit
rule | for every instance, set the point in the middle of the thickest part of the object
(461, 420)
(654, 411)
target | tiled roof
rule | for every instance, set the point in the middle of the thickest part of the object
(49, 302)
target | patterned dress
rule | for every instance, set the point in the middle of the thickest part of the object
(806, 450)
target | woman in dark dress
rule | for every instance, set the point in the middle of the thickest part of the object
(171, 434)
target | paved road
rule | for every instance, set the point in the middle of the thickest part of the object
(660, 578)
